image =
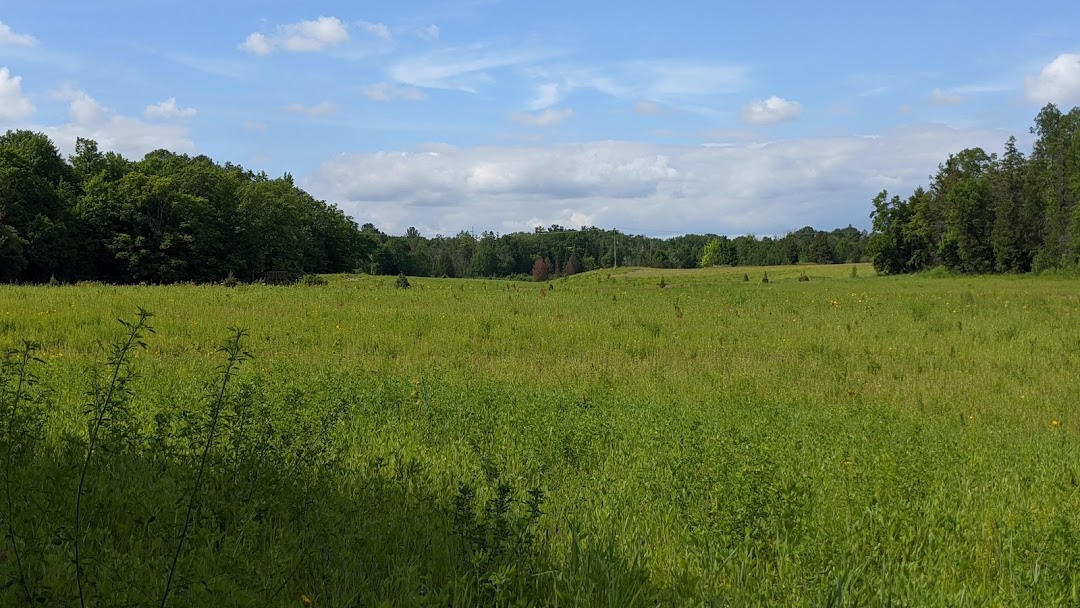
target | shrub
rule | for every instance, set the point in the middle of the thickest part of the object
(765, 278)
(662, 284)
(854, 271)
(402, 282)
(313, 280)
(803, 278)
(230, 280)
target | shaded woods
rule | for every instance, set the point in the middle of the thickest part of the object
(988, 213)
(172, 218)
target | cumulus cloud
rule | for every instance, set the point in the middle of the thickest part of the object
(8, 37)
(384, 91)
(771, 111)
(429, 33)
(168, 109)
(939, 98)
(302, 37)
(115, 132)
(1058, 82)
(546, 118)
(319, 110)
(14, 105)
(736, 188)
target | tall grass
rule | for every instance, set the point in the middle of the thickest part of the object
(847, 439)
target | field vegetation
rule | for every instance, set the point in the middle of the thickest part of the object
(630, 437)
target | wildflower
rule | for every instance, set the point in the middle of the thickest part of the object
(305, 600)
(1055, 423)
(971, 417)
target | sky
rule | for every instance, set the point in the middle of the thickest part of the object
(658, 118)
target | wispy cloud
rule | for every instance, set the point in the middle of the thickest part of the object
(649, 108)
(546, 118)
(429, 33)
(319, 110)
(384, 91)
(378, 30)
(940, 98)
(682, 79)
(302, 37)
(462, 69)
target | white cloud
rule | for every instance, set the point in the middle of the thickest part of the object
(9, 38)
(257, 44)
(1058, 82)
(771, 111)
(377, 29)
(302, 37)
(319, 110)
(649, 108)
(429, 33)
(14, 105)
(672, 80)
(546, 118)
(168, 109)
(115, 132)
(939, 98)
(738, 188)
(384, 91)
(460, 69)
(547, 95)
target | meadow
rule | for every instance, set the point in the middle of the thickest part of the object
(598, 440)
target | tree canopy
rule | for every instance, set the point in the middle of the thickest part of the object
(175, 218)
(988, 213)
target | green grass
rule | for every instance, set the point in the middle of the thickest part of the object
(842, 441)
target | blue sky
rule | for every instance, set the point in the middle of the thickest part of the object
(650, 117)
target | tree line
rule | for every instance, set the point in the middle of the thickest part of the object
(987, 213)
(171, 218)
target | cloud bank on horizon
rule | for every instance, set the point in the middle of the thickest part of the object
(491, 115)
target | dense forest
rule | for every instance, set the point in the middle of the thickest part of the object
(984, 213)
(172, 218)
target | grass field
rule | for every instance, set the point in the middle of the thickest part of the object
(596, 441)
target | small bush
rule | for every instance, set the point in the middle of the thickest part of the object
(662, 284)
(230, 280)
(765, 278)
(402, 282)
(854, 271)
(313, 280)
(803, 278)
(745, 278)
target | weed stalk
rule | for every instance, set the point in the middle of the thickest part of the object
(235, 354)
(22, 359)
(104, 402)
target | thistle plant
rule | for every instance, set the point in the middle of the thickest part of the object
(108, 402)
(234, 356)
(20, 418)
